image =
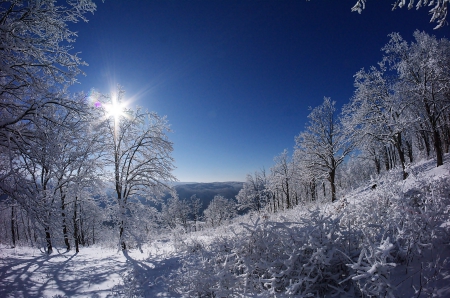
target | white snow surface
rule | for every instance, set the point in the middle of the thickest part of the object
(100, 271)
(93, 272)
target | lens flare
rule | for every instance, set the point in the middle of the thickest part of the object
(115, 109)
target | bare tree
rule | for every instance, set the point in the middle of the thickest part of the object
(325, 142)
(140, 155)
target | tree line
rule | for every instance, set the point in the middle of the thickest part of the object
(399, 114)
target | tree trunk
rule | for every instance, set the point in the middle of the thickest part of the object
(436, 137)
(332, 176)
(75, 225)
(13, 234)
(122, 242)
(288, 200)
(386, 158)
(48, 239)
(313, 190)
(426, 141)
(409, 150)
(64, 225)
(438, 148)
(24, 228)
(377, 164)
(274, 203)
(401, 153)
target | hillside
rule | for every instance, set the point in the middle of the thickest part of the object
(207, 191)
(391, 241)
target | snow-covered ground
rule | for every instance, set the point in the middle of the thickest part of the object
(93, 272)
(176, 265)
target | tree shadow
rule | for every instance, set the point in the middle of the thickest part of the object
(94, 274)
(63, 274)
(150, 275)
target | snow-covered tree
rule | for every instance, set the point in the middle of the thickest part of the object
(324, 142)
(37, 61)
(281, 181)
(47, 174)
(195, 206)
(423, 69)
(377, 114)
(438, 8)
(140, 156)
(176, 212)
(219, 210)
(254, 194)
(307, 175)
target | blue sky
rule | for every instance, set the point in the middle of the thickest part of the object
(235, 78)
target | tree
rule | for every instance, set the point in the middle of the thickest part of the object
(282, 180)
(324, 142)
(438, 11)
(376, 113)
(54, 167)
(140, 156)
(307, 174)
(253, 195)
(423, 69)
(195, 206)
(219, 210)
(176, 212)
(37, 66)
(36, 61)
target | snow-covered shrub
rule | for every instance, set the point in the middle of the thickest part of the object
(360, 246)
(204, 271)
(396, 224)
(270, 258)
(373, 268)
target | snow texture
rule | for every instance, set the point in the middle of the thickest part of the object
(392, 241)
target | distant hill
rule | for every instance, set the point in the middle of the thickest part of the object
(228, 190)
(207, 191)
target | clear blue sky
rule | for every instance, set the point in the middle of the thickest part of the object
(234, 77)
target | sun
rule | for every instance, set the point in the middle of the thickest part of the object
(115, 109)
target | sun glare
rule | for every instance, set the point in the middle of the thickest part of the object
(115, 109)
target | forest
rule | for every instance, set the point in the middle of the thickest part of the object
(363, 195)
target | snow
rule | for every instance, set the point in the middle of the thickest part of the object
(93, 272)
(172, 263)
